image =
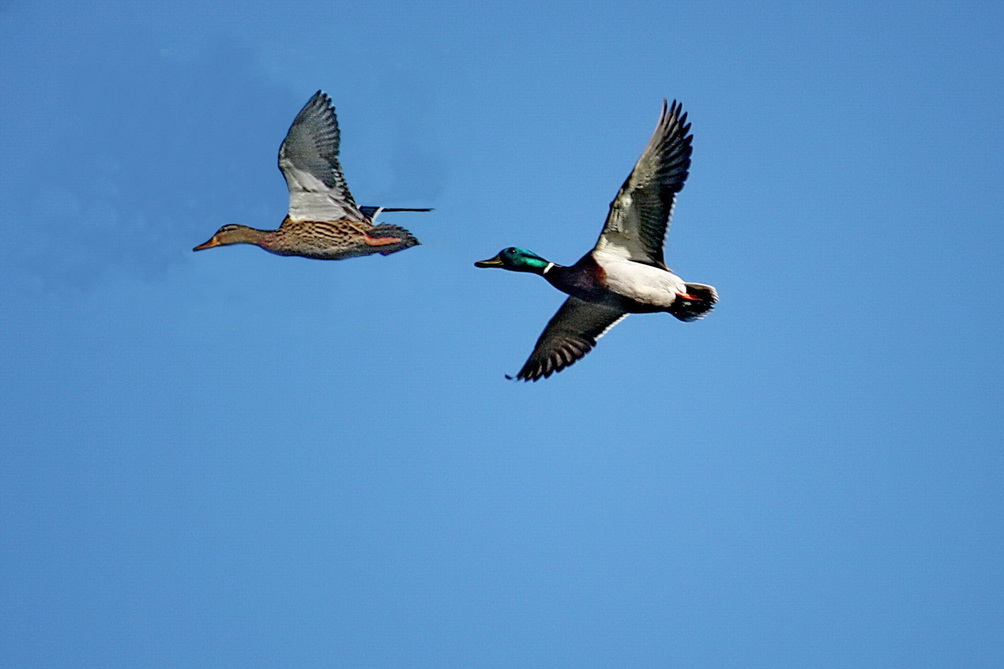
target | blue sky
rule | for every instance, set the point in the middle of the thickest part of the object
(235, 459)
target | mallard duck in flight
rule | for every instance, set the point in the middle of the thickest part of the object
(625, 272)
(324, 221)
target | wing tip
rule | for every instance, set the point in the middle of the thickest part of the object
(528, 375)
(319, 97)
(525, 377)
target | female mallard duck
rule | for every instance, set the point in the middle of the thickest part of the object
(324, 221)
(625, 272)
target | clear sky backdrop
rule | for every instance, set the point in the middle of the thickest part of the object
(235, 459)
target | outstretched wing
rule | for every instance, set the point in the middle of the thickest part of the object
(570, 334)
(639, 215)
(308, 158)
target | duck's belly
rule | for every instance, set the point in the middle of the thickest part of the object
(642, 287)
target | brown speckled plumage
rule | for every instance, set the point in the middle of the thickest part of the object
(323, 240)
(324, 221)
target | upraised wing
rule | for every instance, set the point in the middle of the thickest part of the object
(640, 214)
(569, 335)
(308, 159)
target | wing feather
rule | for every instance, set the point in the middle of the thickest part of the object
(640, 214)
(308, 159)
(569, 335)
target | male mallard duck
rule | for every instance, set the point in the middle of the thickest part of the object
(625, 272)
(324, 221)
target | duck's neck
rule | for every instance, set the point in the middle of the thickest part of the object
(534, 265)
(552, 272)
(242, 234)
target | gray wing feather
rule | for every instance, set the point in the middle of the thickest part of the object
(308, 159)
(569, 335)
(639, 216)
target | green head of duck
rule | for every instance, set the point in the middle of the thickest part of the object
(516, 260)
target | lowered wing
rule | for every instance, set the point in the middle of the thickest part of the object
(569, 335)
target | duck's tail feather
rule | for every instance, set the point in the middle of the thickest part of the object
(387, 239)
(372, 212)
(695, 304)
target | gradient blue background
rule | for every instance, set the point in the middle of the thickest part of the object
(235, 459)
